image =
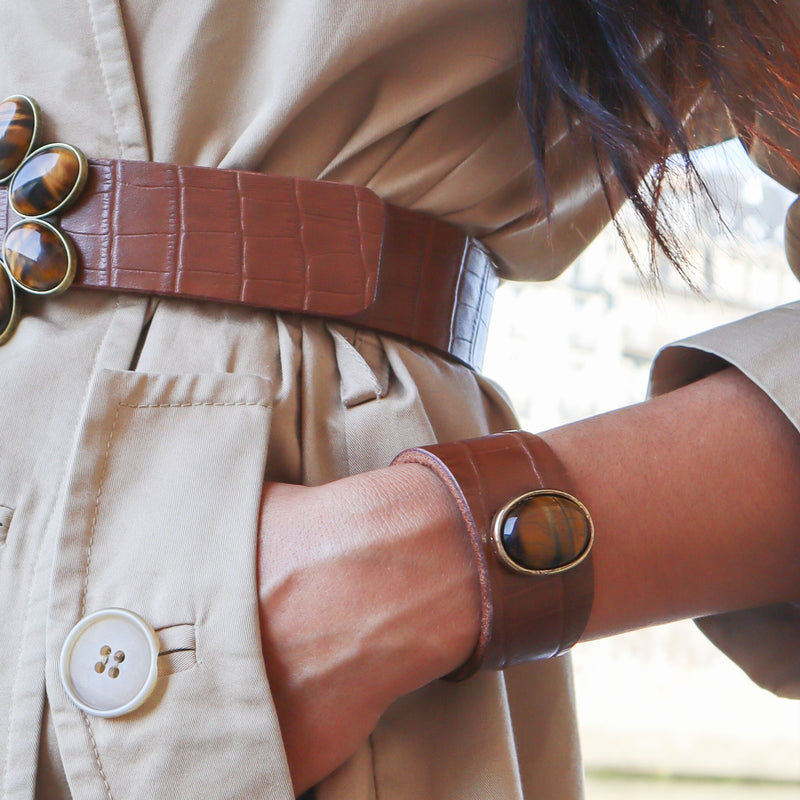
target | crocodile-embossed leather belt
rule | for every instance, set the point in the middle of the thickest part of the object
(287, 244)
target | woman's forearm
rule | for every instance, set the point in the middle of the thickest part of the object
(369, 589)
(696, 502)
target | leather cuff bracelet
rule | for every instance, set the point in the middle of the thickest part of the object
(532, 541)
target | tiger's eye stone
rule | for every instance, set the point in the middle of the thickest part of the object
(7, 306)
(45, 180)
(36, 256)
(17, 130)
(545, 532)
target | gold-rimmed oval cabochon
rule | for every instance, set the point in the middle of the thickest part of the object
(544, 531)
(49, 180)
(9, 312)
(19, 123)
(39, 257)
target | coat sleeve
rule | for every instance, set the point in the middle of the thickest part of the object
(764, 642)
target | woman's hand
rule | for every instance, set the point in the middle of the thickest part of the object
(367, 590)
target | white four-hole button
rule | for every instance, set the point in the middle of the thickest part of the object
(109, 662)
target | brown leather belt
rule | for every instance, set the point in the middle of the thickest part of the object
(288, 244)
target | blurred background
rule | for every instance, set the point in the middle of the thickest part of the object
(663, 715)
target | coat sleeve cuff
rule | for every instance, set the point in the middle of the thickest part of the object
(764, 642)
(764, 347)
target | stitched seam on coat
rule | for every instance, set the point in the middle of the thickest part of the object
(97, 756)
(13, 707)
(261, 403)
(102, 64)
(96, 512)
(85, 718)
(105, 472)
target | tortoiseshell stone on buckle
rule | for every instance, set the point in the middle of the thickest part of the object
(48, 181)
(37, 257)
(19, 125)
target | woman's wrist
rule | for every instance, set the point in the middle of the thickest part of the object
(391, 543)
(445, 581)
(407, 551)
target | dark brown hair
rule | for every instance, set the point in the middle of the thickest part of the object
(629, 71)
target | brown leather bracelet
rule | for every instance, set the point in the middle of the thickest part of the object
(517, 504)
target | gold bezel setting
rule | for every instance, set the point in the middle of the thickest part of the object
(69, 276)
(70, 197)
(497, 533)
(7, 332)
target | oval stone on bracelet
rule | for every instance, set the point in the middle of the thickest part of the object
(543, 532)
(49, 181)
(19, 122)
(39, 257)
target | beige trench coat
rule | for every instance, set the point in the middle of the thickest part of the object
(136, 433)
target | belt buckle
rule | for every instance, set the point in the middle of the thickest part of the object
(37, 256)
